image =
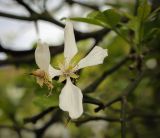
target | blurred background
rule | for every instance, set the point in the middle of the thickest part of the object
(126, 86)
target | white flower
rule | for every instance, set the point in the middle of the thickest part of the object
(42, 57)
(71, 97)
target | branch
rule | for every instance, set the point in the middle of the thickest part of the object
(26, 56)
(145, 114)
(93, 118)
(35, 118)
(94, 7)
(129, 89)
(23, 53)
(56, 117)
(28, 8)
(91, 100)
(123, 117)
(136, 7)
(13, 128)
(148, 116)
(18, 17)
(33, 17)
(47, 17)
(94, 85)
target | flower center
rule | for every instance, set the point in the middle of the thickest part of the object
(67, 71)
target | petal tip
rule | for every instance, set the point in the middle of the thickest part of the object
(71, 100)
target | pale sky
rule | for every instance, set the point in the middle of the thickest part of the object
(20, 35)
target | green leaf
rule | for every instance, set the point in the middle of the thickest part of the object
(98, 16)
(133, 24)
(112, 18)
(89, 20)
(144, 10)
(108, 18)
(93, 14)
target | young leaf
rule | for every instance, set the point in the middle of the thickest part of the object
(144, 10)
(93, 14)
(99, 16)
(112, 18)
(89, 20)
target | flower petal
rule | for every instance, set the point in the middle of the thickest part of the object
(70, 100)
(70, 48)
(53, 72)
(42, 56)
(95, 57)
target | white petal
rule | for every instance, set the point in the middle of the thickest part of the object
(42, 56)
(95, 57)
(70, 48)
(53, 72)
(70, 100)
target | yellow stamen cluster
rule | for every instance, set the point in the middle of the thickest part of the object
(67, 71)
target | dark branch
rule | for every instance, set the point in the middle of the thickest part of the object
(35, 118)
(148, 116)
(18, 17)
(47, 17)
(23, 53)
(123, 117)
(24, 57)
(136, 7)
(56, 117)
(129, 89)
(27, 56)
(13, 128)
(94, 85)
(94, 118)
(91, 100)
(94, 7)
(28, 8)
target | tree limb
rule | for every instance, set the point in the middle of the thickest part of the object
(95, 118)
(56, 117)
(129, 89)
(28, 8)
(35, 118)
(94, 7)
(91, 88)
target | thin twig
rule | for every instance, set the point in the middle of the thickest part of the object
(35, 118)
(13, 128)
(94, 118)
(94, 7)
(136, 7)
(128, 90)
(56, 117)
(26, 6)
(123, 117)
(91, 100)
(91, 88)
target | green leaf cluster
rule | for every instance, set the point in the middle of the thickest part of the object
(108, 18)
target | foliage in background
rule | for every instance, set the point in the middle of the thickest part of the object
(126, 86)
